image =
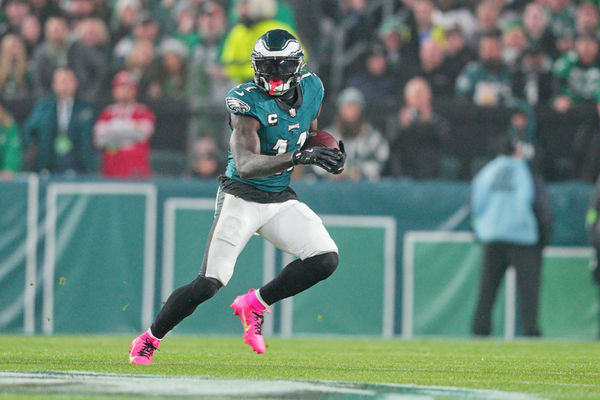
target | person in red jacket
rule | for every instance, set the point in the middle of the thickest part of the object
(123, 131)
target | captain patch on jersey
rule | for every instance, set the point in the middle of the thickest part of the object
(237, 105)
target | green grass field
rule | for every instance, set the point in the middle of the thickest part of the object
(552, 370)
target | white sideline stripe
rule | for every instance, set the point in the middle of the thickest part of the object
(408, 296)
(33, 184)
(287, 305)
(510, 303)
(56, 189)
(268, 275)
(455, 219)
(82, 383)
(388, 224)
(569, 252)
(411, 237)
(172, 204)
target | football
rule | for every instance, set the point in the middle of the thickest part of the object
(320, 138)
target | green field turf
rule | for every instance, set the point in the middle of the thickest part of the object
(552, 370)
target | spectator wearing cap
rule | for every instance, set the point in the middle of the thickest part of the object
(58, 131)
(366, 148)
(145, 28)
(11, 149)
(578, 75)
(533, 80)
(419, 142)
(172, 74)
(61, 51)
(487, 81)
(394, 34)
(256, 18)
(123, 131)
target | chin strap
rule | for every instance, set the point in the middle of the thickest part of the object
(273, 84)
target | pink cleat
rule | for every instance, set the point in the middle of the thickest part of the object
(250, 311)
(141, 349)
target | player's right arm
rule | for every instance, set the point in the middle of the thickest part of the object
(250, 163)
(245, 149)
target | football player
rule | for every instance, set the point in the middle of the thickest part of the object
(270, 119)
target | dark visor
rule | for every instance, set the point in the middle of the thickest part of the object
(276, 67)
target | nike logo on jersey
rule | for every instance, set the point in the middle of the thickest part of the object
(295, 126)
(241, 92)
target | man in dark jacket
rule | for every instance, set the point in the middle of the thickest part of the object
(59, 129)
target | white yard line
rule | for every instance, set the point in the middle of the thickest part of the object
(89, 383)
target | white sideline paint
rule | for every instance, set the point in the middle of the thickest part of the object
(33, 188)
(92, 189)
(79, 383)
(412, 237)
(388, 224)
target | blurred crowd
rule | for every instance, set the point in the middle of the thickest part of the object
(94, 71)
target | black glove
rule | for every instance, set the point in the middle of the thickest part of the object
(324, 157)
(340, 164)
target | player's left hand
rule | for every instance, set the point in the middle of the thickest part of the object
(339, 167)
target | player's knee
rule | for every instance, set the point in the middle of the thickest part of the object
(204, 288)
(326, 265)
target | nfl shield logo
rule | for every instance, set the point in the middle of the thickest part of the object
(293, 112)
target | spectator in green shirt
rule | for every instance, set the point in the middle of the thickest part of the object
(10, 145)
(578, 74)
(486, 81)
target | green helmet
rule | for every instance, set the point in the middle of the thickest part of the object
(277, 59)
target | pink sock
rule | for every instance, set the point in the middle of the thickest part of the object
(253, 302)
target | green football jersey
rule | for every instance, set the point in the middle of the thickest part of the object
(282, 129)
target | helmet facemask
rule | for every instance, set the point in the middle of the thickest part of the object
(277, 60)
(277, 75)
